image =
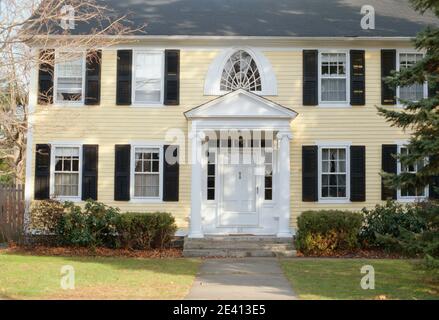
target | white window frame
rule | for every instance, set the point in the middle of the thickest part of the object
(345, 103)
(274, 150)
(143, 104)
(55, 81)
(347, 148)
(132, 173)
(401, 198)
(398, 68)
(52, 172)
(206, 175)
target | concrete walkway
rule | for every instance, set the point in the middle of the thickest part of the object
(246, 278)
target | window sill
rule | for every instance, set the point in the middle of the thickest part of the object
(147, 105)
(340, 105)
(68, 105)
(72, 199)
(335, 201)
(412, 199)
(146, 200)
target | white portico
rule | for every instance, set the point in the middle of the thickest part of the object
(240, 155)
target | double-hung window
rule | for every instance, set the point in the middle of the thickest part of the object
(148, 77)
(333, 173)
(333, 77)
(147, 172)
(66, 171)
(414, 92)
(410, 192)
(69, 77)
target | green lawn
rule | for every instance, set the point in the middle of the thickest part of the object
(38, 277)
(340, 279)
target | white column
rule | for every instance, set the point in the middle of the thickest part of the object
(196, 230)
(284, 184)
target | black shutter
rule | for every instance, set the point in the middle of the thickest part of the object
(388, 64)
(310, 173)
(90, 159)
(389, 165)
(42, 172)
(358, 173)
(358, 78)
(124, 65)
(172, 77)
(45, 76)
(434, 183)
(93, 78)
(171, 172)
(310, 77)
(122, 173)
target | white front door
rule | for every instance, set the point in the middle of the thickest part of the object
(239, 194)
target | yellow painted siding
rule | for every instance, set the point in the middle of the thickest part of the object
(109, 124)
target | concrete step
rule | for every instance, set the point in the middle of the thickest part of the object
(239, 246)
(237, 253)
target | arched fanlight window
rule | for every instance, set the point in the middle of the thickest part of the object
(241, 72)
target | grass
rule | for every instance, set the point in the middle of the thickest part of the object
(38, 277)
(340, 279)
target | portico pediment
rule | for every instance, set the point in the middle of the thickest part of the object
(241, 104)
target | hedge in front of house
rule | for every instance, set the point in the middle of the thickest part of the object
(146, 230)
(95, 225)
(324, 232)
(98, 225)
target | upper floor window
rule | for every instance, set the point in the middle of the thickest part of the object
(333, 77)
(148, 77)
(241, 72)
(416, 91)
(70, 74)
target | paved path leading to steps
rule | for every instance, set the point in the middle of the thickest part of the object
(241, 278)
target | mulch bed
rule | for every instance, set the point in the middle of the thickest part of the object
(358, 254)
(96, 252)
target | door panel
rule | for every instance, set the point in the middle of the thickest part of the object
(238, 200)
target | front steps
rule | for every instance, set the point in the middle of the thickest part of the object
(239, 247)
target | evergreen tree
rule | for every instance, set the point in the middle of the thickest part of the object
(421, 118)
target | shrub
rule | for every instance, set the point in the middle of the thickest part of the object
(45, 215)
(324, 232)
(390, 219)
(146, 230)
(95, 225)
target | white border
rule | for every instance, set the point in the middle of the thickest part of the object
(338, 104)
(147, 104)
(398, 68)
(52, 172)
(338, 145)
(134, 199)
(398, 190)
(66, 103)
(213, 77)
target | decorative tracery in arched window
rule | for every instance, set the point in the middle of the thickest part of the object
(241, 72)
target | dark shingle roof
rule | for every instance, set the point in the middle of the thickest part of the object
(284, 18)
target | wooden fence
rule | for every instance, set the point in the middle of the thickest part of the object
(12, 207)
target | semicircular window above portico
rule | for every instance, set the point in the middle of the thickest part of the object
(241, 72)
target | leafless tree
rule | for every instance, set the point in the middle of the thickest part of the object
(44, 24)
